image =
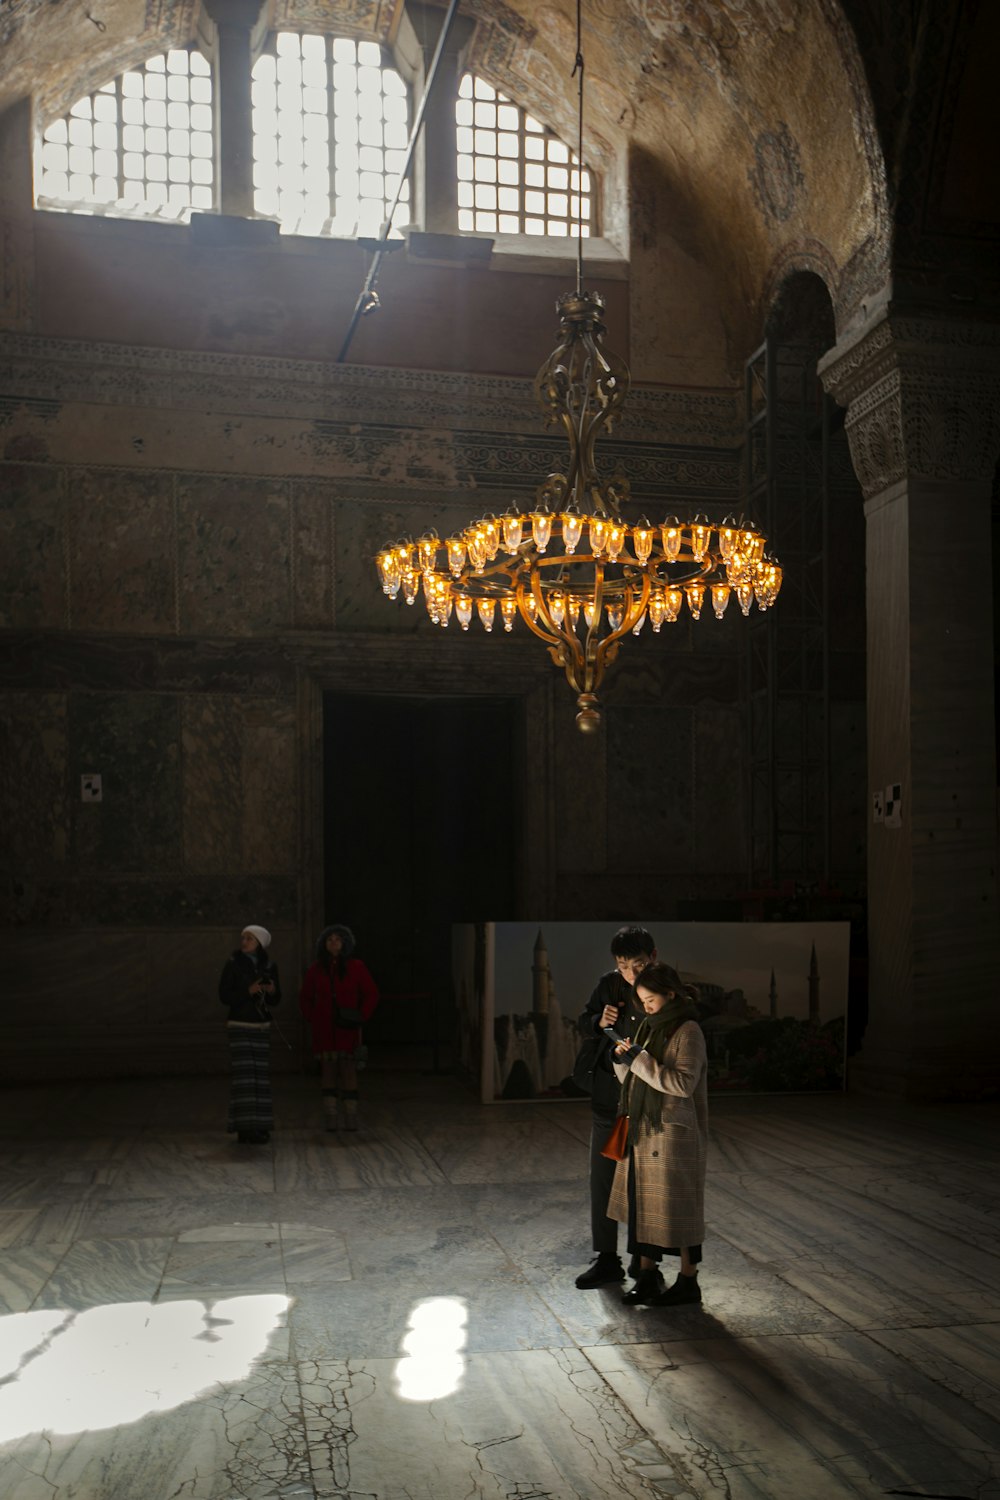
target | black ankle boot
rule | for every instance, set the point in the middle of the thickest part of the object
(648, 1287)
(684, 1290)
(606, 1268)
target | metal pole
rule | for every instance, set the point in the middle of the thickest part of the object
(367, 297)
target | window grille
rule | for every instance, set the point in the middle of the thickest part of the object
(514, 175)
(330, 123)
(142, 143)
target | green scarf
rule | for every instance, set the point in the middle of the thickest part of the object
(643, 1104)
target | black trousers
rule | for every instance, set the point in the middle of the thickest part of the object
(602, 1173)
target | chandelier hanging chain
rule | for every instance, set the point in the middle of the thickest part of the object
(564, 567)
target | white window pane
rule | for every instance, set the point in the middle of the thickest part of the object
(201, 117)
(178, 116)
(106, 163)
(154, 86)
(345, 79)
(508, 145)
(290, 151)
(55, 158)
(58, 132)
(534, 175)
(465, 87)
(557, 227)
(509, 198)
(81, 159)
(155, 112)
(133, 194)
(486, 142)
(371, 185)
(558, 205)
(200, 66)
(483, 90)
(105, 107)
(289, 99)
(315, 128)
(106, 136)
(558, 178)
(201, 144)
(316, 154)
(393, 87)
(534, 203)
(533, 125)
(507, 117)
(177, 89)
(177, 61)
(156, 193)
(370, 55)
(486, 195)
(465, 195)
(179, 143)
(465, 169)
(557, 151)
(534, 226)
(134, 164)
(81, 133)
(314, 48)
(486, 169)
(80, 186)
(132, 111)
(370, 132)
(509, 224)
(466, 141)
(396, 134)
(394, 164)
(463, 113)
(132, 86)
(343, 50)
(534, 149)
(509, 171)
(370, 159)
(466, 220)
(314, 101)
(156, 169)
(201, 197)
(486, 223)
(81, 110)
(179, 170)
(156, 141)
(201, 171)
(56, 185)
(201, 90)
(486, 116)
(106, 189)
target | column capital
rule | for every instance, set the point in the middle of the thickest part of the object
(243, 15)
(922, 397)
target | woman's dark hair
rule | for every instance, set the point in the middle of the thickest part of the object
(632, 942)
(661, 979)
(347, 941)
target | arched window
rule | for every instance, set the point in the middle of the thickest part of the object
(142, 144)
(330, 126)
(514, 175)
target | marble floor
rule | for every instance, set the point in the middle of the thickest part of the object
(392, 1316)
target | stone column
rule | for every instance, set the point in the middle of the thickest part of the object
(923, 421)
(17, 232)
(236, 22)
(438, 153)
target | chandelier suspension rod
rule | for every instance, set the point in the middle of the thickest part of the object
(578, 69)
(367, 297)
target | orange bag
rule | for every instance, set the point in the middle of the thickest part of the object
(615, 1148)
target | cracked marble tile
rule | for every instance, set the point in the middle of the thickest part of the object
(387, 1159)
(24, 1272)
(785, 1417)
(193, 1165)
(535, 1424)
(96, 1272)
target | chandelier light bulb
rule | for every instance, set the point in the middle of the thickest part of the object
(513, 530)
(486, 609)
(598, 534)
(642, 540)
(456, 555)
(572, 527)
(427, 548)
(673, 599)
(720, 598)
(557, 607)
(671, 534)
(463, 610)
(695, 598)
(616, 539)
(657, 608)
(701, 535)
(508, 611)
(541, 528)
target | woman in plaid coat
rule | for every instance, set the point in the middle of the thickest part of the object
(659, 1188)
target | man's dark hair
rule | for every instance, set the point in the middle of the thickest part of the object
(630, 942)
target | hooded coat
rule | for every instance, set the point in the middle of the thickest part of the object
(670, 1163)
(326, 994)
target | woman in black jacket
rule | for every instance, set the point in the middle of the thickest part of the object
(249, 987)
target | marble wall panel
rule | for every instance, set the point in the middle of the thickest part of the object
(33, 585)
(650, 788)
(848, 783)
(719, 801)
(37, 661)
(76, 978)
(312, 554)
(133, 741)
(362, 527)
(96, 900)
(270, 789)
(234, 553)
(33, 782)
(122, 551)
(581, 816)
(212, 744)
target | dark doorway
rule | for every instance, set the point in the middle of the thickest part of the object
(422, 829)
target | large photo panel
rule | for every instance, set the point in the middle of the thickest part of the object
(772, 1000)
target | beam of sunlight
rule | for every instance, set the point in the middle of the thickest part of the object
(433, 1361)
(70, 1372)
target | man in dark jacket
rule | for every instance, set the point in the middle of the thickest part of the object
(613, 1003)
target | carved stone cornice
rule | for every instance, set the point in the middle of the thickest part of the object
(922, 398)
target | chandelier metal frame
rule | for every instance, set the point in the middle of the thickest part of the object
(583, 597)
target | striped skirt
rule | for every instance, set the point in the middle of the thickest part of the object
(250, 1079)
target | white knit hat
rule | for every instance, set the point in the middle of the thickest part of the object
(261, 934)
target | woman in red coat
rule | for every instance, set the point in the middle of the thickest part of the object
(338, 996)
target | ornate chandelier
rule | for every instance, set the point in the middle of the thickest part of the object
(577, 574)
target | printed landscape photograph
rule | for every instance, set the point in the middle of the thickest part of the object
(771, 999)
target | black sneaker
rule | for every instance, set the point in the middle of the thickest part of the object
(605, 1269)
(685, 1290)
